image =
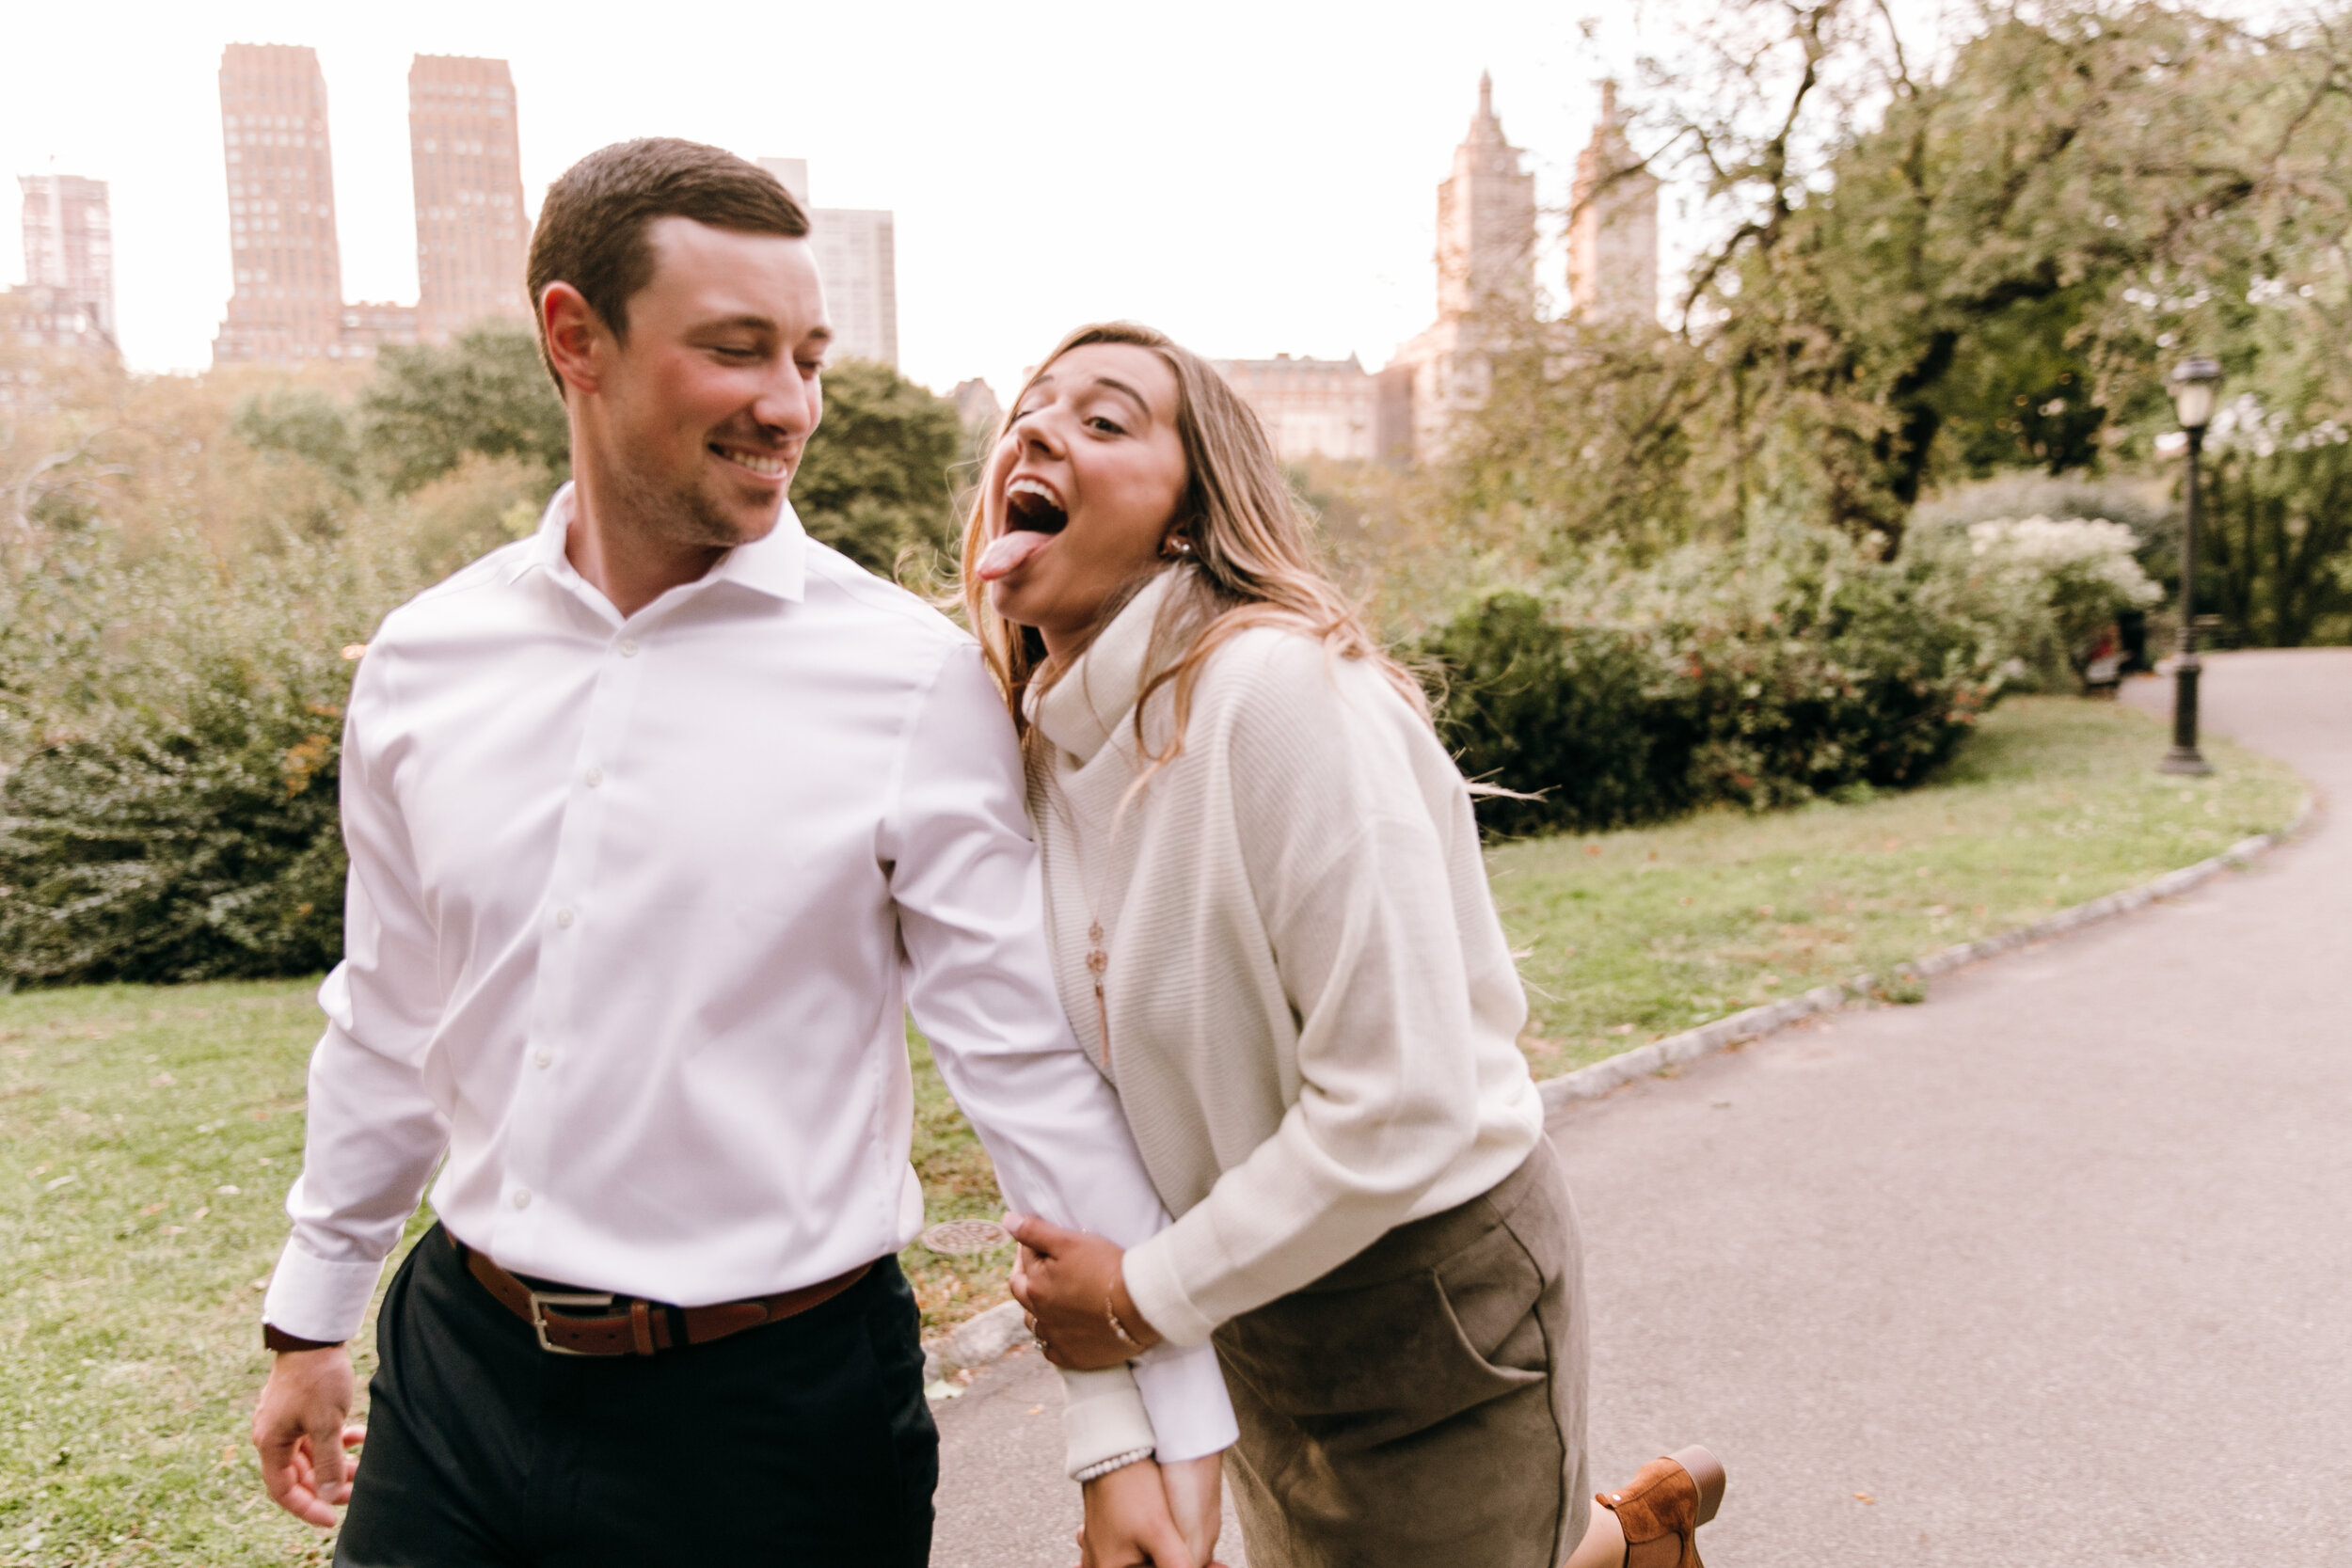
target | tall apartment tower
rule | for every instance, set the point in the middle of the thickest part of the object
(69, 244)
(856, 251)
(1613, 225)
(1485, 262)
(1486, 220)
(287, 304)
(471, 242)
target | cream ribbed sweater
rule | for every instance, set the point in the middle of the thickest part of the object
(1313, 1012)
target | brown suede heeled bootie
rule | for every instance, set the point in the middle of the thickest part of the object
(1661, 1511)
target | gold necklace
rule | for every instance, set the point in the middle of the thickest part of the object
(1098, 958)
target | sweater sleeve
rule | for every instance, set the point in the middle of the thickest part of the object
(1351, 880)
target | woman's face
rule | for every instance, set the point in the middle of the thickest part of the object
(1082, 488)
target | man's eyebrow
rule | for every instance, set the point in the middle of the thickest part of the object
(746, 321)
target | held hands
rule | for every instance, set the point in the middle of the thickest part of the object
(1077, 1301)
(299, 1429)
(1166, 1516)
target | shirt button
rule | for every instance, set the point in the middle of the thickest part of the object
(564, 917)
(594, 777)
(541, 1058)
(628, 646)
(523, 1198)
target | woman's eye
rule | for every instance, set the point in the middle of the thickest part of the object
(1108, 426)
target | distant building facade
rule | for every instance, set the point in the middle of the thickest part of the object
(856, 252)
(976, 407)
(1486, 264)
(464, 151)
(370, 327)
(69, 245)
(1613, 225)
(286, 305)
(1310, 407)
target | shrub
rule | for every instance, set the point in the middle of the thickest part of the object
(1796, 667)
(172, 812)
(1583, 714)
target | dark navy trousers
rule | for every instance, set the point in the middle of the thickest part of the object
(805, 1442)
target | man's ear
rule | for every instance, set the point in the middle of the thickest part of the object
(580, 344)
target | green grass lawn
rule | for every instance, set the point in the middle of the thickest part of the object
(2053, 802)
(151, 1133)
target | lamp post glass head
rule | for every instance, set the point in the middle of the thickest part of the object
(2196, 388)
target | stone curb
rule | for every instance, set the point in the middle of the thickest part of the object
(1592, 1082)
(989, 1335)
(978, 1340)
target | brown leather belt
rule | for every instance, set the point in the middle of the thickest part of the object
(636, 1327)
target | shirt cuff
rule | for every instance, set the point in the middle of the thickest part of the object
(313, 1299)
(1184, 1393)
(1149, 1271)
(1101, 1418)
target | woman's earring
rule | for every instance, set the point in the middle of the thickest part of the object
(1175, 547)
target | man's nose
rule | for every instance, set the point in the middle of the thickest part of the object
(788, 405)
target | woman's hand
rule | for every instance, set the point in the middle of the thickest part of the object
(1070, 1283)
(1128, 1523)
(1195, 1501)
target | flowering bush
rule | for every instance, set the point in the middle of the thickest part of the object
(2060, 584)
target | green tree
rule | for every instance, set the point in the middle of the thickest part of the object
(484, 393)
(877, 481)
(1924, 274)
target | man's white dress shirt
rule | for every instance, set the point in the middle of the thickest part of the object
(636, 909)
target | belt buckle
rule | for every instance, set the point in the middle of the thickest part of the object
(542, 1300)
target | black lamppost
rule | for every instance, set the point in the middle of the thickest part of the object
(2196, 388)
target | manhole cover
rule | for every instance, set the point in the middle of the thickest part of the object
(960, 1238)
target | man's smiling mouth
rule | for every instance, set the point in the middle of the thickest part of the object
(766, 465)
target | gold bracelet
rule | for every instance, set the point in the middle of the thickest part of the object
(1110, 1311)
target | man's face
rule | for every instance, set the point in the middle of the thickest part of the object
(700, 415)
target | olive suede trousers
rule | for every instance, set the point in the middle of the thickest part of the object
(1423, 1403)
(805, 1442)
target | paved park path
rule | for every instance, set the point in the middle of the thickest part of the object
(2055, 1270)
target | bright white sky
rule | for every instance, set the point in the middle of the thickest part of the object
(1254, 178)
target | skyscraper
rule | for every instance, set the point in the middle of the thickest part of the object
(1486, 220)
(471, 241)
(1613, 225)
(856, 251)
(1485, 263)
(287, 304)
(69, 244)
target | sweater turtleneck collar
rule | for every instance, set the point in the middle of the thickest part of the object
(1081, 711)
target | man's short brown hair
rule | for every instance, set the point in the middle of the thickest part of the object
(591, 227)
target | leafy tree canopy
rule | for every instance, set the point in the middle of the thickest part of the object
(484, 393)
(877, 481)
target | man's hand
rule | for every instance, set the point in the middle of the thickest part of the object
(299, 1429)
(1195, 1501)
(1070, 1282)
(1128, 1524)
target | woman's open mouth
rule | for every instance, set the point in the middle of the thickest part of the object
(1033, 516)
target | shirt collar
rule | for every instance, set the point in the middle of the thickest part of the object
(776, 565)
(1081, 711)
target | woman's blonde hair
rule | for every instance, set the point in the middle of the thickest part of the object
(1251, 559)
